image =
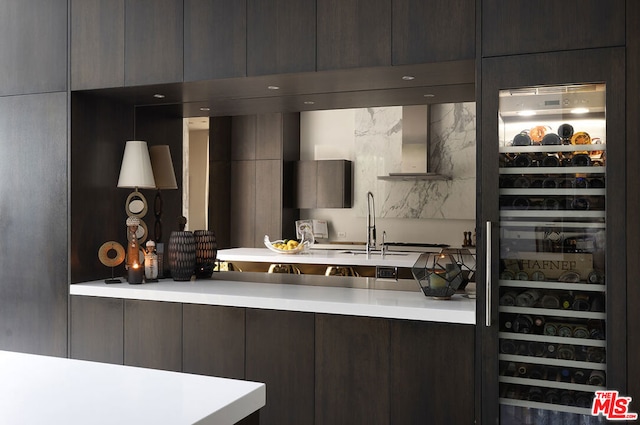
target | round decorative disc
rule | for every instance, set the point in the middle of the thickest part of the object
(111, 254)
(136, 205)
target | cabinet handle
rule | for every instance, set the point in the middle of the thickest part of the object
(487, 284)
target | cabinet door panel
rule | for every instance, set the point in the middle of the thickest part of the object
(33, 47)
(281, 36)
(153, 42)
(433, 31)
(213, 340)
(97, 44)
(153, 334)
(352, 370)
(215, 39)
(353, 33)
(548, 25)
(97, 329)
(280, 353)
(432, 373)
(243, 203)
(33, 221)
(268, 212)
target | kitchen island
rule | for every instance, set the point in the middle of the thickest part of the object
(51, 390)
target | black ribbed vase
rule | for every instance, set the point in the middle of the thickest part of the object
(182, 255)
(206, 251)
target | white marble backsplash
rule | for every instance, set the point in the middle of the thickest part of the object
(378, 152)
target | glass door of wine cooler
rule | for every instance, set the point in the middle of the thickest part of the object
(551, 269)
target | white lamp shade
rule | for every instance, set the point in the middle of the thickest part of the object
(136, 168)
(162, 165)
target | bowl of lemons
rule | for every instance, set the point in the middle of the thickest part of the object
(285, 246)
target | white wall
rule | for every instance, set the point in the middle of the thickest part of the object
(433, 212)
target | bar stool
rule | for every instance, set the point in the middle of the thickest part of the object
(284, 268)
(340, 271)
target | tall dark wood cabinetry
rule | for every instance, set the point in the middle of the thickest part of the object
(97, 44)
(33, 219)
(504, 76)
(281, 36)
(154, 42)
(510, 28)
(215, 39)
(261, 147)
(33, 47)
(432, 31)
(353, 33)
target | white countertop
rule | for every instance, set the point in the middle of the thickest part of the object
(320, 256)
(317, 299)
(53, 390)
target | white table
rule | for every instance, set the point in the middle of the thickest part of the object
(51, 390)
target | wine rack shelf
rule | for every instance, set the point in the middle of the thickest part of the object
(551, 214)
(553, 339)
(553, 312)
(552, 285)
(553, 148)
(553, 192)
(547, 406)
(550, 384)
(575, 364)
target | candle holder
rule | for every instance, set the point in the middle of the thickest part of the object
(135, 274)
(438, 274)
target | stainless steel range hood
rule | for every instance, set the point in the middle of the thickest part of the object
(415, 146)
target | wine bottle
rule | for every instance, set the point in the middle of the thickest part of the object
(522, 139)
(567, 398)
(566, 352)
(552, 396)
(551, 161)
(596, 330)
(596, 355)
(596, 183)
(536, 372)
(565, 330)
(550, 301)
(535, 394)
(550, 204)
(580, 376)
(521, 204)
(522, 324)
(536, 349)
(522, 160)
(596, 377)
(580, 204)
(580, 332)
(521, 182)
(550, 329)
(506, 322)
(508, 298)
(549, 183)
(508, 346)
(565, 131)
(528, 298)
(581, 302)
(580, 183)
(581, 160)
(597, 303)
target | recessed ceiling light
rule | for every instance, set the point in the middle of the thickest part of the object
(408, 77)
(158, 96)
(579, 110)
(205, 109)
(309, 102)
(273, 87)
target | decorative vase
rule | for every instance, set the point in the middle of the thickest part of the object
(182, 255)
(206, 252)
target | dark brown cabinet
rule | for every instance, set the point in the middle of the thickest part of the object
(323, 184)
(280, 353)
(153, 334)
(281, 36)
(213, 340)
(260, 147)
(97, 328)
(352, 370)
(33, 47)
(153, 42)
(353, 33)
(97, 44)
(432, 373)
(34, 221)
(433, 31)
(215, 39)
(516, 27)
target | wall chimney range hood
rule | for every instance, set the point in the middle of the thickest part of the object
(415, 147)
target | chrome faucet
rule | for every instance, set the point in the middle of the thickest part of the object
(371, 223)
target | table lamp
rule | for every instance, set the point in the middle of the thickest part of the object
(136, 173)
(165, 178)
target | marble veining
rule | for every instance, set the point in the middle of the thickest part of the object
(378, 137)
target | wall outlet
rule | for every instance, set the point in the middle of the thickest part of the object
(342, 235)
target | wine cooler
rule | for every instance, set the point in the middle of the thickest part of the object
(551, 266)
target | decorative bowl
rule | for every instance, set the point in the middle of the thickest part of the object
(298, 249)
(438, 274)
